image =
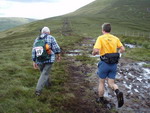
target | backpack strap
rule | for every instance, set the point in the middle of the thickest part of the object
(39, 37)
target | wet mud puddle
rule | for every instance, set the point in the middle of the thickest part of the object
(134, 81)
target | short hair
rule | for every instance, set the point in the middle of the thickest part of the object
(106, 27)
(45, 30)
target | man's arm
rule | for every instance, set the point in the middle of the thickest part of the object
(56, 49)
(58, 57)
(35, 66)
(121, 49)
(54, 46)
(95, 52)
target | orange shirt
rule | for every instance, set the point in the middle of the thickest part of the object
(107, 43)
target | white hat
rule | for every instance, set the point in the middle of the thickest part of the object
(45, 30)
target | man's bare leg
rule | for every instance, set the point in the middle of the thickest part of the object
(101, 87)
(111, 83)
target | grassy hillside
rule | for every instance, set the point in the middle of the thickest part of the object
(10, 22)
(17, 77)
(130, 16)
(123, 9)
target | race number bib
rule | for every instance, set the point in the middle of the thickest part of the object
(39, 51)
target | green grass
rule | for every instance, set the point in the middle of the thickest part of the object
(138, 54)
(142, 50)
(138, 41)
(18, 79)
(147, 65)
(124, 15)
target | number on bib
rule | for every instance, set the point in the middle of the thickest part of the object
(39, 51)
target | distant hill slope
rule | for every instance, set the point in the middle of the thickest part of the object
(127, 9)
(126, 16)
(10, 22)
(133, 14)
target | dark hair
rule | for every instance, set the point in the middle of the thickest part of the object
(106, 27)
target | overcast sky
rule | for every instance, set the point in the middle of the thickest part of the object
(39, 9)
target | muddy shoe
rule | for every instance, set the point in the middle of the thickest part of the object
(102, 101)
(37, 93)
(120, 99)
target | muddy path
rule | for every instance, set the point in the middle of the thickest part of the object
(80, 85)
(84, 98)
(132, 78)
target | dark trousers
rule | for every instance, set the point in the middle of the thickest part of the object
(44, 77)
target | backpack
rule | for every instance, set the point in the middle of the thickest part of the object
(42, 50)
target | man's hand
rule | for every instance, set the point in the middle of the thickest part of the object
(35, 66)
(95, 52)
(58, 57)
(121, 49)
